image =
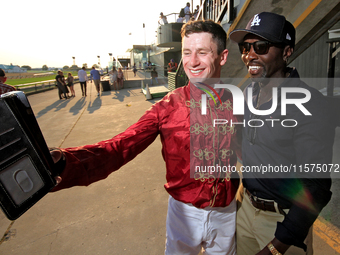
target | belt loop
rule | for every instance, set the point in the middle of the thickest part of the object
(278, 209)
(276, 206)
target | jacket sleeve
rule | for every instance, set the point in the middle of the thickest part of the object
(91, 163)
(310, 192)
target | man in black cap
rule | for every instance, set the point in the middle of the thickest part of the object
(4, 88)
(279, 208)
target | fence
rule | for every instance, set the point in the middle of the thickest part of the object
(35, 87)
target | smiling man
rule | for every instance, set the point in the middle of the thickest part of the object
(202, 206)
(203, 53)
(278, 210)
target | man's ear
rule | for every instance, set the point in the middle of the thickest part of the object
(287, 52)
(224, 56)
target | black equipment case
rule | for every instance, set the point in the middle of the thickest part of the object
(26, 166)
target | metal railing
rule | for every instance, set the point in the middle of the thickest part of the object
(34, 87)
(214, 9)
(171, 17)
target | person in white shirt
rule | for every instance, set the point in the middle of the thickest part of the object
(82, 75)
(187, 12)
(180, 19)
(162, 19)
(196, 12)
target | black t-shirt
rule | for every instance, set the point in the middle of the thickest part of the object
(59, 76)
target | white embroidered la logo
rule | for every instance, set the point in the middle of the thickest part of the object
(256, 21)
(288, 37)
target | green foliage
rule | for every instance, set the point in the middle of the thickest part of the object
(27, 67)
(75, 67)
(29, 80)
(36, 79)
(66, 67)
(44, 67)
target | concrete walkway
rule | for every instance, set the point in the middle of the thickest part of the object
(123, 214)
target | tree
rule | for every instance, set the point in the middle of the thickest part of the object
(27, 67)
(66, 67)
(44, 68)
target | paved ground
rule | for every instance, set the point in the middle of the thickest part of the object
(123, 214)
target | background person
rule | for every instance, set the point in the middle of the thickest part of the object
(202, 210)
(278, 211)
(187, 12)
(154, 76)
(4, 88)
(82, 75)
(162, 19)
(120, 78)
(95, 75)
(134, 69)
(172, 66)
(180, 19)
(196, 12)
(113, 78)
(61, 84)
(70, 84)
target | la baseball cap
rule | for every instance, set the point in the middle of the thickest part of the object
(270, 26)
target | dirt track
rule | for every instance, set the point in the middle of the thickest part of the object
(25, 75)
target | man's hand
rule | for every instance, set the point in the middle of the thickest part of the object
(264, 251)
(56, 156)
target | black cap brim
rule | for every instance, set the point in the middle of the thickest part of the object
(239, 34)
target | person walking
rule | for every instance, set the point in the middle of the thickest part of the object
(95, 76)
(278, 209)
(82, 76)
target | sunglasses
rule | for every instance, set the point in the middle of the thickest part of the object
(260, 47)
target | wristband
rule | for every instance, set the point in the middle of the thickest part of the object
(273, 250)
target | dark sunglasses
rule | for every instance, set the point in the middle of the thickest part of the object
(260, 47)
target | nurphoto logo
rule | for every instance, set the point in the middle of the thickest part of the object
(238, 103)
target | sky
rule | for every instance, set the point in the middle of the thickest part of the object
(38, 33)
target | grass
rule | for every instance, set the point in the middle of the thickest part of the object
(29, 80)
(35, 79)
